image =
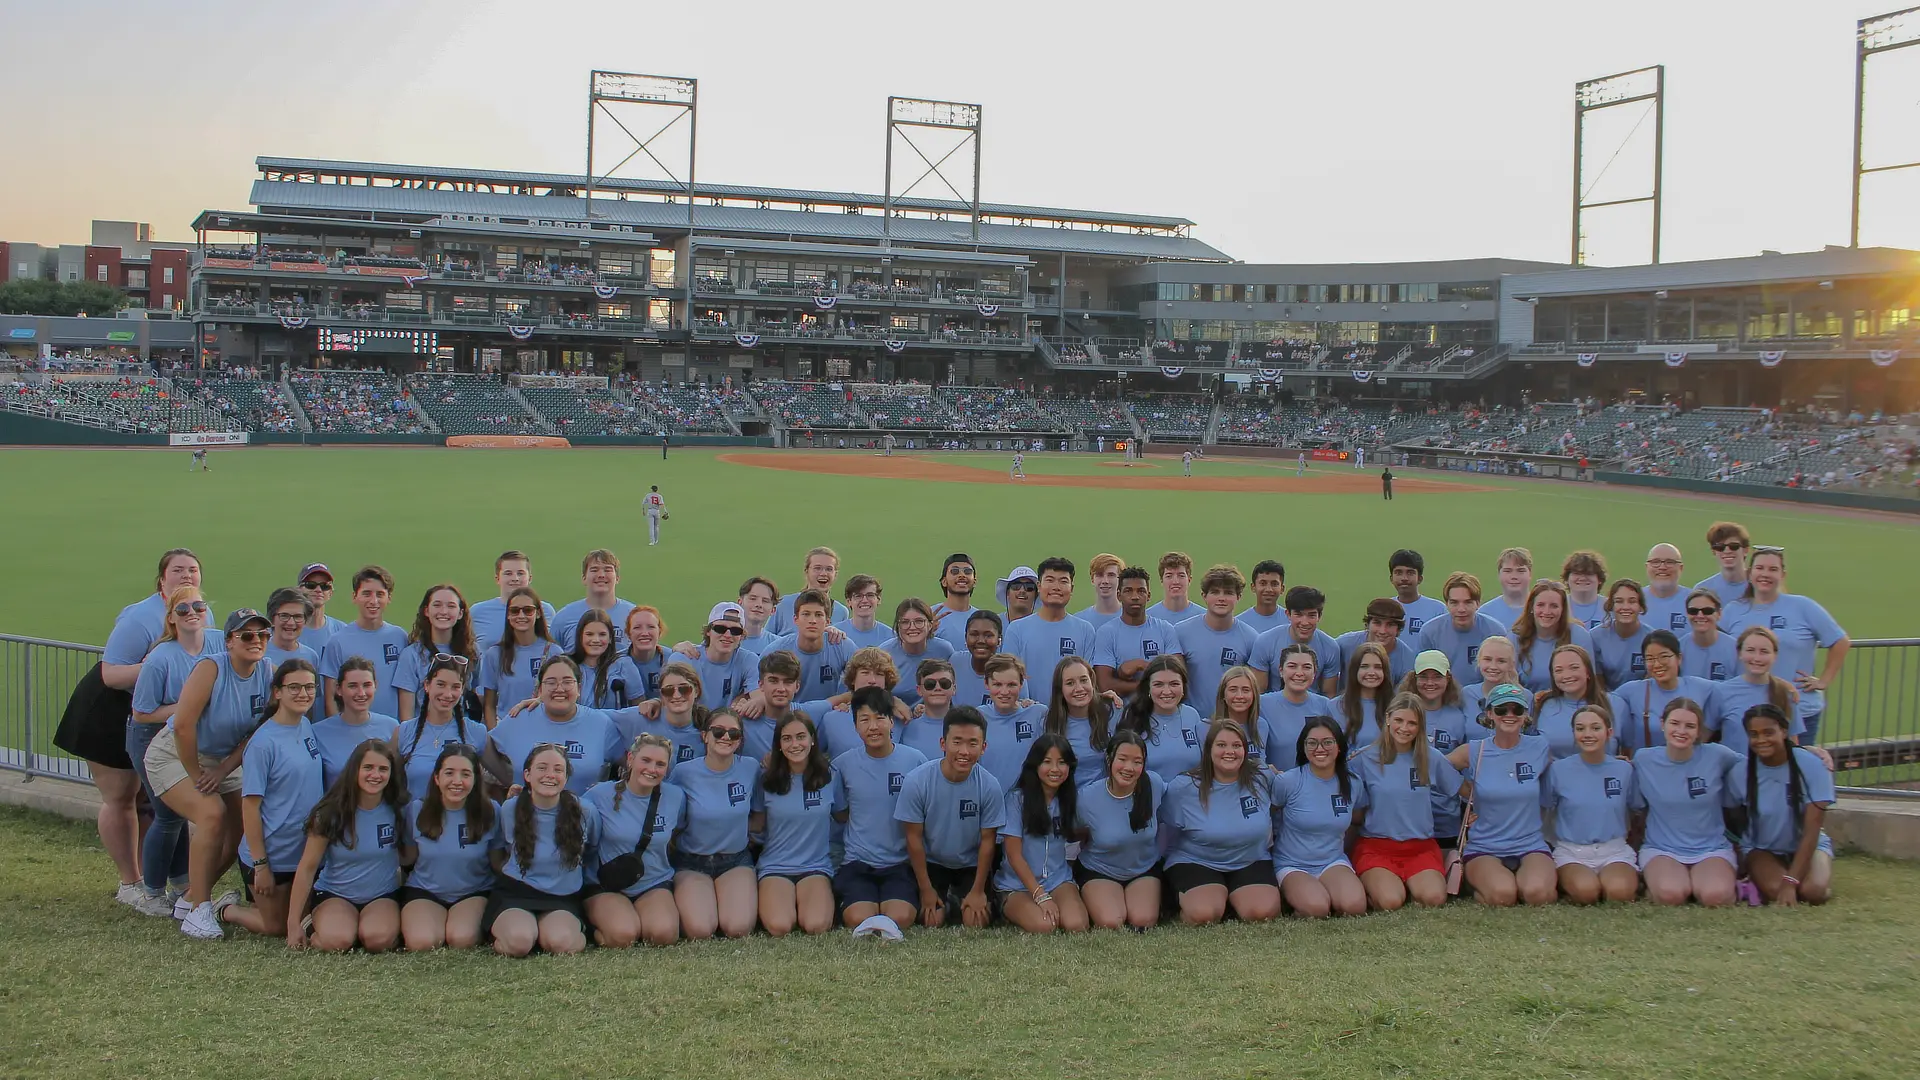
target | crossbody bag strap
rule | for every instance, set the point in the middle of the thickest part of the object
(1646, 716)
(1473, 796)
(646, 827)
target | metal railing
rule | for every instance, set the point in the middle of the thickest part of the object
(37, 676)
(1872, 722)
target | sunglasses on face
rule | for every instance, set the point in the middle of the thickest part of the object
(727, 630)
(936, 684)
(253, 636)
(195, 607)
(1510, 710)
(317, 586)
(523, 611)
(1728, 547)
(1703, 611)
(724, 734)
(676, 691)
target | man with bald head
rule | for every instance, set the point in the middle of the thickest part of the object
(1666, 600)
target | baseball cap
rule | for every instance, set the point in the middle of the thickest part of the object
(315, 568)
(1016, 574)
(240, 618)
(1508, 694)
(1387, 608)
(724, 610)
(1433, 660)
(879, 926)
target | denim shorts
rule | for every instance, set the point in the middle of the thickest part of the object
(711, 865)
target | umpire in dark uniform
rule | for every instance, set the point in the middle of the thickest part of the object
(1386, 483)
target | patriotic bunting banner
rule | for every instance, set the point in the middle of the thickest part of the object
(895, 346)
(411, 278)
(825, 303)
(1172, 372)
(1362, 375)
(1269, 374)
(1884, 357)
(606, 292)
(1675, 359)
(520, 333)
(1586, 359)
(989, 310)
(294, 322)
(1772, 359)
(747, 341)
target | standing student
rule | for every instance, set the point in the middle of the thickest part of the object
(950, 811)
(511, 571)
(1585, 573)
(822, 660)
(1507, 860)
(1802, 627)
(1406, 570)
(1305, 605)
(1575, 685)
(289, 610)
(1215, 641)
(1123, 647)
(726, 672)
(349, 874)
(758, 597)
(1515, 571)
(1495, 666)
(779, 678)
(1369, 687)
(441, 627)
(586, 736)
(1643, 699)
(682, 715)
(156, 695)
(1011, 725)
(1036, 885)
(1104, 574)
(655, 508)
(913, 641)
(316, 584)
(955, 608)
(818, 572)
(281, 783)
(713, 879)
(1082, 716)
(630, 897)
(1444, 720)
(1459, 634)
(875, 877)
(1221, 819)
(868, 667)
(1313, 808)
(793, 809)
(1729, 541)
(195, 763)
(1543, 627)
(983, 644)
(600, 574)
(1042, 638)
(1385, 619)
(1710, 653)
(452, 829)
(593, 653)
(1238, 699)
(863, 630)
(1590, 795)
(1117, 817)
(369, 636)
(1284, 712)
(1617, 642)
(1788, 790)
(1269, 584)
(354, 720)
(446, 718)
(635, 675)
(1684, 788)
(545, 835)
(1171, 729)
(1666, 598)
(925, 728)
(1401, 778)
(1727, 702)
(1176, 577)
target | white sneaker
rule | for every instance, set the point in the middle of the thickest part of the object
(153, 905)
(181, 906)
(129, 895)
(204, 920)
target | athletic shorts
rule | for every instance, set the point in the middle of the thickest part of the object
(1594, 857)
(408, 894)
(164, 770)
(1082, 873)
(859, 883)
(951, 883)
(1648, 854)
(512, 894)
(1314, 872)
(283, 879)
(1402, 858)
(1182, 877)
(316, 898)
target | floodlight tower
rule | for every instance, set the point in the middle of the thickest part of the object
(905, 114)
(1873, 36)
(644, 100)
(1609, 92)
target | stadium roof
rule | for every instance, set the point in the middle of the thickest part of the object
(775, 224)
(1767, 268)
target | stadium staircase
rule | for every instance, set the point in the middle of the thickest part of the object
(300, 421)
(1212, 435)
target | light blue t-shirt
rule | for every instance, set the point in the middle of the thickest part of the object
(459, 862)
(952, 815)
(721, 682)
(518, 680)
(282, 769)
(1267, 648)
(1727, 707)
(639, 680)
(1173, 742)
(1399, 806)
(821, 671)
(1096, 618)
(1400, 658)
(867, 789)
(136, 629)
(1715, 663)
(1311, 818)
(488, 620)
(1421, 611)
(1462, 647)
(592, 741)
(370, 869)
(1008, 737)
(1802, 627)
(1045, 856)
(908, 665)
(1554, 719)
(1115, 642)
(1232, 831)
(1776, 827)
(164, 672)
(1590, 615)
(923, 734)
(339, 738)
(952, 627)
(1160, 611)
(1727, 591)
(799, 829)
(1041, 645)
(1590, 802)
(1113, 846)
(1668, 613)
(1684, 799)
(316, 637)
(969, 686)
(1282, 721)
(567, 622)
(1618, 658)
(1369, 719)
(780, 623)
(1534, 666)
(1089, 761)
(1261, 624)
(876, 638)
(1209, 654)
(1642, 701)
(718, 805)
(382, 645)
(1502, 612)
(546, 872)
(686, 739)
(420, 744)
(617, 831)
(1506, 797)
(1450, 725)
(233, 709)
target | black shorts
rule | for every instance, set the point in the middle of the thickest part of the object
(1083, 874)
(1182, 877)
(511, 894)
(858, 883)
(408, 894)
(798, 878)
(316, 898)
(711, 865)
(952, 884)
(1511, 862)
(281, 879)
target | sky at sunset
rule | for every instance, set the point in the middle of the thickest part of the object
(1290, 132)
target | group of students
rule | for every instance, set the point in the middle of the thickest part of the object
(568, 777)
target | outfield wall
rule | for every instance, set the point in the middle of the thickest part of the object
(22, 429)
(1810, 496)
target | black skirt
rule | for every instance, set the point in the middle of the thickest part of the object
(510, 893)
(94, 727)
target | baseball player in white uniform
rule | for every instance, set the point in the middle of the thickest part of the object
(656, 509)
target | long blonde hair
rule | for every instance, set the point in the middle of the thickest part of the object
(1383, 748)
(1252, 722)
(185, 594)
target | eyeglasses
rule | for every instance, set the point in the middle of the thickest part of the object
(724, 734)
(1509, 710)
(727, 630)
(559, 683)
(1731, 545)
(193, 607)
(450, 658)
(290, 617)
(298, 688)
(253, 636)
(523, 611)
(1703, 611)
(317, 585)
(676, 691)
(1663, 562)
(1322, 744)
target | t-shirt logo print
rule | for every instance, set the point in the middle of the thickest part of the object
(1342, 806)
(1413, 778)
(1249, 805)
(383, 835)
(969, 808)
(1777, 622)
(391, 652)
(1523, 773)
(313, 747)
(1066, 647)
(1229, 657)
(576, 750)
(1696, 787)
(1023, 730)
(1149, 649)
(810, 800)
(1610, 787)
(893, 782)
(466, 838)
(736, 793)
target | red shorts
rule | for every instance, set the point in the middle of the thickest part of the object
(1402, 858)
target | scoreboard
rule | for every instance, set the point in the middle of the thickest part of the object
(407, 342)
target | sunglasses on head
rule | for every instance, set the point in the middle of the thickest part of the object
(192, 607)
(1768, 549)
(450, 658)
(936, 684)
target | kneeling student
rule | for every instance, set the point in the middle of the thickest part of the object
(951, 810)
(1034, 881)
(350, 869)
(875, 878)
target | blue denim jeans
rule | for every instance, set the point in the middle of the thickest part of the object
(163, 851)
(1812, 737)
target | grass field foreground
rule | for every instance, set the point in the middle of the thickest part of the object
(95, 990)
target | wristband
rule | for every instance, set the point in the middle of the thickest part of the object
(1789, 879)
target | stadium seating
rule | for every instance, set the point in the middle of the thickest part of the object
(246, 404)
(807, 405)
(586, 412)
(905, 408)
(992, 408)
(369, 402)
(1092, 418)
(690, 408)
(1178, 417)
(473, 405)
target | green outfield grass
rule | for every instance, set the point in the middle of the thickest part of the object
(82, 528)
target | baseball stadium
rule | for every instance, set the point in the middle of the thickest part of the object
(775, 424)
